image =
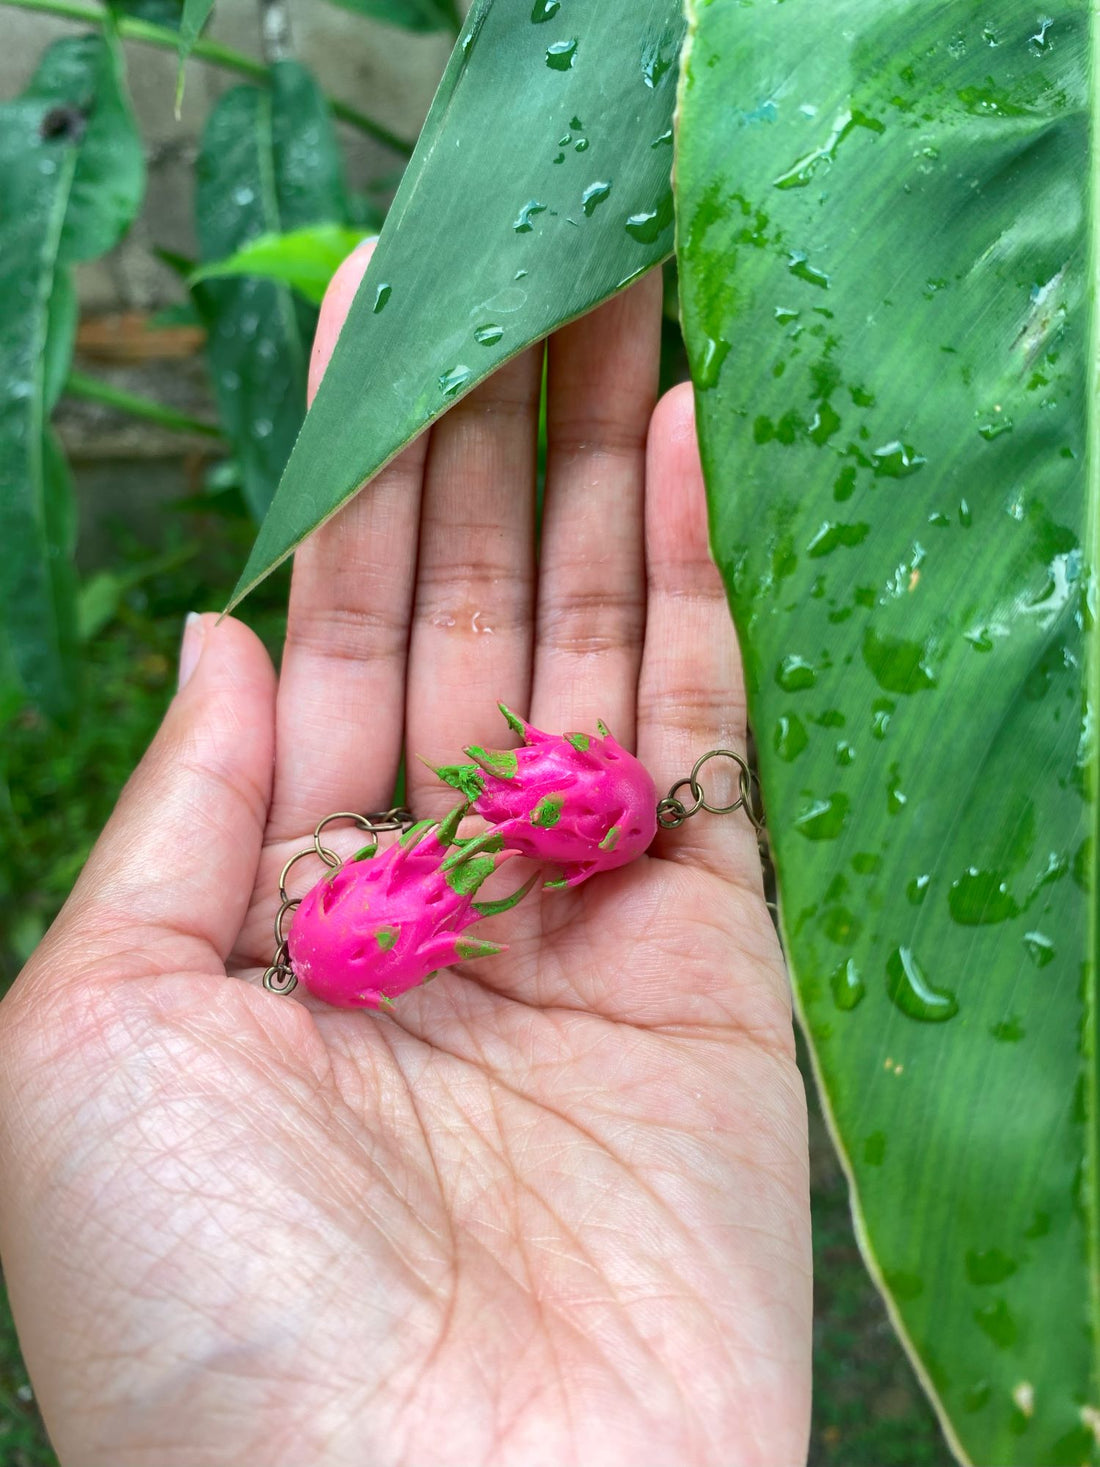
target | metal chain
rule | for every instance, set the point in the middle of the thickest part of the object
(279, 978)
(672, 811)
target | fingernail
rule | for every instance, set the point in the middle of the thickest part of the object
(194, 634)
(371, 239)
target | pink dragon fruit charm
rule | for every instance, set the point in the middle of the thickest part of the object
(379, 925)
(579, 803)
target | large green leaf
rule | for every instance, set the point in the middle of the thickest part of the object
(539, 187)
(888, 245)
(71, 180)
(269, 163)
(410, 15)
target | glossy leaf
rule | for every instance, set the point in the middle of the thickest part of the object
(194, 15)
(539, 187)
(72, 176)
(410, 15)
(269, 163)
(888, 245)
(305, 259)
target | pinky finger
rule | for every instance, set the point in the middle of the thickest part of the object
(691, 695)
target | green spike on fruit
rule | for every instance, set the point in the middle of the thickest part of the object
(447, 834)
(602, 729)
(489, 841)
(467, 878)
(515, 723)
(547, 812)
(467, 949)
(386, 937)
(500, 762)
(416, 833)
(465, 778)
(366, 853)
(505, 904)
(579, 741)
(611, 839)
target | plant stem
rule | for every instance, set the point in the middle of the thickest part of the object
(93, 389)
(130, 28)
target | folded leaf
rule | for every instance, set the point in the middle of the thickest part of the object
(889, 237)
(539, 187)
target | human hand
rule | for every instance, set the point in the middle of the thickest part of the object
(553, 1208)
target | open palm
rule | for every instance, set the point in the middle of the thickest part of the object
(551, 1209)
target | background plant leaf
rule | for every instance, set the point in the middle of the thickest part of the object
(74, 177)
(499, 232)
(193, 16)
(304, 259)
(269, 164)
(410, 15)
(888, 246)
(166, 13)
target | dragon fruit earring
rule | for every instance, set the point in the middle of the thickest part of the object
(580, 803)
(381, 923)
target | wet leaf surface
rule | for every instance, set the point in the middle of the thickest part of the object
(888, 243)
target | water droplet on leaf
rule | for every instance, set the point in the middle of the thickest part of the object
(790, 737)
(522, 224)
(847, 986)
(455, 380)
(561, 54)
(593, 196)
(648, 226)
(823, 819)
(1040, 949)
(981, 899)
(913, 994)
(794, 674)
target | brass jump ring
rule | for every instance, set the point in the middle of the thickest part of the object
(743, 771)
(696, 794)
(298, 856)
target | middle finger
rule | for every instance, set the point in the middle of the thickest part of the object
(474, 606)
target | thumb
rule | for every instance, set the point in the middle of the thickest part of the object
(178, 856)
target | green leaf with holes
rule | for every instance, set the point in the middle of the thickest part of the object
(888, 242)
(269, 165)
(498, 234)
(73, 177)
